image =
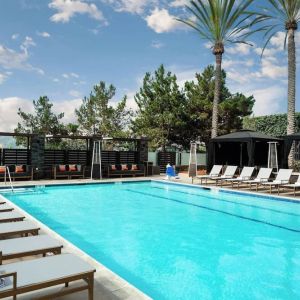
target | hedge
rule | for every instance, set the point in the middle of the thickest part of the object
(274, 125)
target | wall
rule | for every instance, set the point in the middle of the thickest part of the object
(201, 158)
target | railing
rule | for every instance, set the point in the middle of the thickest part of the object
(9, 177)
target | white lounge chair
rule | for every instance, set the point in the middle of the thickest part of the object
(282, 178)
(245, 175)
(295, 185)
(229, 173)
(32, 275)
(11, 217)
(5, 208)
(33, 245)
(214, 172)
(18, 228)
(262, 176)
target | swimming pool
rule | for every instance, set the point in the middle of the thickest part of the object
(178, 242)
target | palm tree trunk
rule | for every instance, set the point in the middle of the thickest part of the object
(218, 82)
(291, 90)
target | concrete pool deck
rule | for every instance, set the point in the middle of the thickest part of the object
(108, 285)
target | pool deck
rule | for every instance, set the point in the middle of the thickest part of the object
(108, 285)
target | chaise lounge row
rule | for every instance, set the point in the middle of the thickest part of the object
(19, 238)
(246, 177)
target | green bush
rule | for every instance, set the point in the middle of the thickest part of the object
(274, 125)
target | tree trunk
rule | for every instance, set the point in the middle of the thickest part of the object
(291, 90)
(218, 83)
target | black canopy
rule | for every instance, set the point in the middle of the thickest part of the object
(242, 148)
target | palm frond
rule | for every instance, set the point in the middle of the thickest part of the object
(221, 21)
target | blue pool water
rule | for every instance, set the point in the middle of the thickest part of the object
(178, 242)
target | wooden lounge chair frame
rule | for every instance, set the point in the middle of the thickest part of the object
(88, 277)
(54, 250)
(6, 209)
(33, 231)
(17, 219)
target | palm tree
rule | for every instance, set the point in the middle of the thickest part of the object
(285, 14)
(220, 22)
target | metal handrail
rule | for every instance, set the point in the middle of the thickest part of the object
(8, 172)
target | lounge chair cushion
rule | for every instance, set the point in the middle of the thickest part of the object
(28, 244)
(134, 168)
(20, 169)
(2, 169)
(72, 168)
(62, 168)
(17, 226)
(47, 269)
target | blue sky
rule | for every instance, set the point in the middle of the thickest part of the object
(61, 48)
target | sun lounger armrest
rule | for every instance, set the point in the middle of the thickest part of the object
(214, 175)
(227, 176)
(246, 177)
(264, 179)
(13, 275)
(284, 181)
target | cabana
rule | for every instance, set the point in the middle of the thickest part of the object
(242, 148)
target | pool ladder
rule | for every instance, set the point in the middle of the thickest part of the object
(7, 173)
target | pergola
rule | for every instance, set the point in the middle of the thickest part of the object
(242, 148)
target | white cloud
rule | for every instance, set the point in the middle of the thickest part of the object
(157, 45)
(269, 100)
(74, 75)
(179, 3)
(55, 80)
(2, 77)
(15, 36)
(27, 43)
(9, 111)
(242, 49)
(43, 34)
(75, 94)
(131, 6)
(12, 59)
(66, 9)
(70, 75)
(160, 20)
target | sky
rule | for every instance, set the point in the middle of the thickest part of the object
(62, 48)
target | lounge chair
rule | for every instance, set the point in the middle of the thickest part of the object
(11, 216)
(295, 185)
(245, 175)
(18, 228)
(262, 176)
(214, 172)
(229, 173)
(33, 245)
(282, 178)
(5, 208)
(32, 275)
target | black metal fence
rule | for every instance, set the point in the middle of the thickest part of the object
(55, 157)
(164, 158)
(15, 157)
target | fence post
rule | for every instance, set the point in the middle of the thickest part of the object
(37, 147)
(142, 148)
